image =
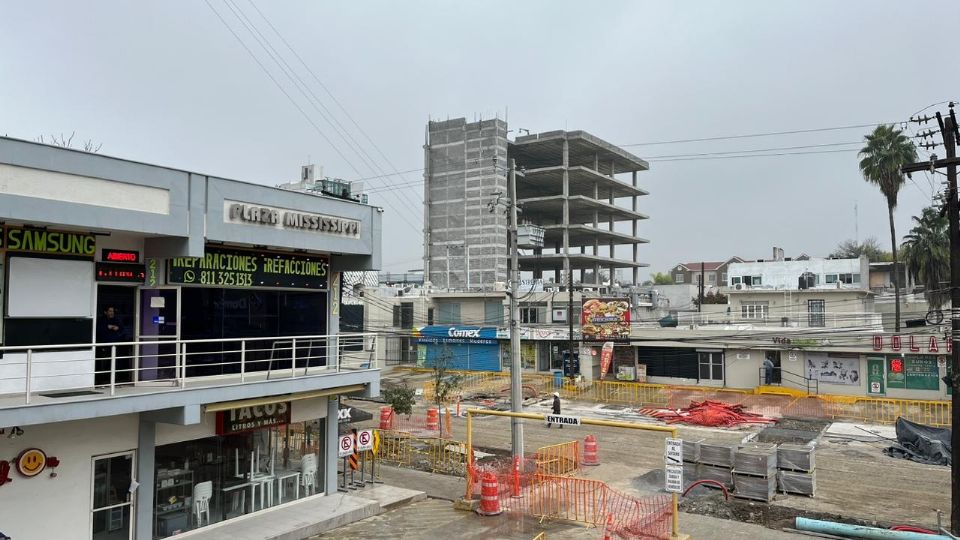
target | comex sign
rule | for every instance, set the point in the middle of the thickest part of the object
(463, 333)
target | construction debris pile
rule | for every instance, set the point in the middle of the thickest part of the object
(709, 413)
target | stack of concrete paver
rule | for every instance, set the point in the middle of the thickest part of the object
(797, 471)
(755, 472)
(691, 455)
(716, 462)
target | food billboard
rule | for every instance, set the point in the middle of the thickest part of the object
(605, 319)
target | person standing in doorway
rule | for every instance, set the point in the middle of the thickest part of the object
(109, 330)
(556, 407)
(768, 368)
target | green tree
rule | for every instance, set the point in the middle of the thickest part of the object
(400, 398)
(711, 298)
(887, 150)
(926, 252)
(851, 249)
(662, 278)
(444, 385)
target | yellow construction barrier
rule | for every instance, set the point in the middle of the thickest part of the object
(887, 410)
(559, 459)
(395, 448)
(433, 453)
(860, 408)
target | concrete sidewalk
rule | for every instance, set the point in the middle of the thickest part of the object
(302, 519)
(439, 519)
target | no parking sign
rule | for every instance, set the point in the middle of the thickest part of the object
(365, 440)
(345, 446)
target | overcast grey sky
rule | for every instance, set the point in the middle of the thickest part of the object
(167, 83)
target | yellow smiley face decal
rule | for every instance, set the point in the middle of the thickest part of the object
(31, 462)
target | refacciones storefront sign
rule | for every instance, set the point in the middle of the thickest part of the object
(241, 269)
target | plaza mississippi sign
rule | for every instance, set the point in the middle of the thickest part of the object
(282, 218)
(911, 343)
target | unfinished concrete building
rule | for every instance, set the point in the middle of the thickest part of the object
(571, 183)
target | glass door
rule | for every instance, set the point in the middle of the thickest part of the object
(112, 497)
(158, 332)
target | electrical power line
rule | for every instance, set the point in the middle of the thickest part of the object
(764, 134)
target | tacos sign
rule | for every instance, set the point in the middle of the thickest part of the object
(605, 319)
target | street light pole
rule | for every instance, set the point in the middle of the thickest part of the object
(516, 382)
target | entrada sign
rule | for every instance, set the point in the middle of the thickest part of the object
(291, 219)
(254, 417)
(49, 242)
(911, 343)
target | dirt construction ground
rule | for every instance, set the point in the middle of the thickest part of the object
(855, 481)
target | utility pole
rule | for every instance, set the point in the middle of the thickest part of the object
(948, 129)
(570, 310)
(516, 381)
(700, 303)
(951, 135)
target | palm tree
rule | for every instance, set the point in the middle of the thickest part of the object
(926, 253)
(886, 151)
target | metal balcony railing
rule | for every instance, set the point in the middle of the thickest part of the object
(139, 367)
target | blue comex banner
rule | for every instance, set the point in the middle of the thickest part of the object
(475, 335)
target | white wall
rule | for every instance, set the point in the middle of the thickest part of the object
(785, 274)
(42, 507)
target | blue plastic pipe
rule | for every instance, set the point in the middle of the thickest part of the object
(858, 531)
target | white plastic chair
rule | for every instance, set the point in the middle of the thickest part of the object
(202, 493)
(308, 474)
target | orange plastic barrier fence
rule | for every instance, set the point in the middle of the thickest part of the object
(423, 424)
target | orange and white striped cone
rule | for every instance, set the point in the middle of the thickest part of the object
(489, 495)
(590, 456)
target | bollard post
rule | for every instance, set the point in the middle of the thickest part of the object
(516, 477)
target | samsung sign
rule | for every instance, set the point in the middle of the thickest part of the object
(280, 218)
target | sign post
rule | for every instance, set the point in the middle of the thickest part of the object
(364, 445)
(345, 450)
(673, 465)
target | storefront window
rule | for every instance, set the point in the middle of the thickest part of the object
(212, 313)
(209, 480)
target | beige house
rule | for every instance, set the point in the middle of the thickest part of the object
(714, 273)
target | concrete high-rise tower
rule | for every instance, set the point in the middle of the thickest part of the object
(581, 189)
